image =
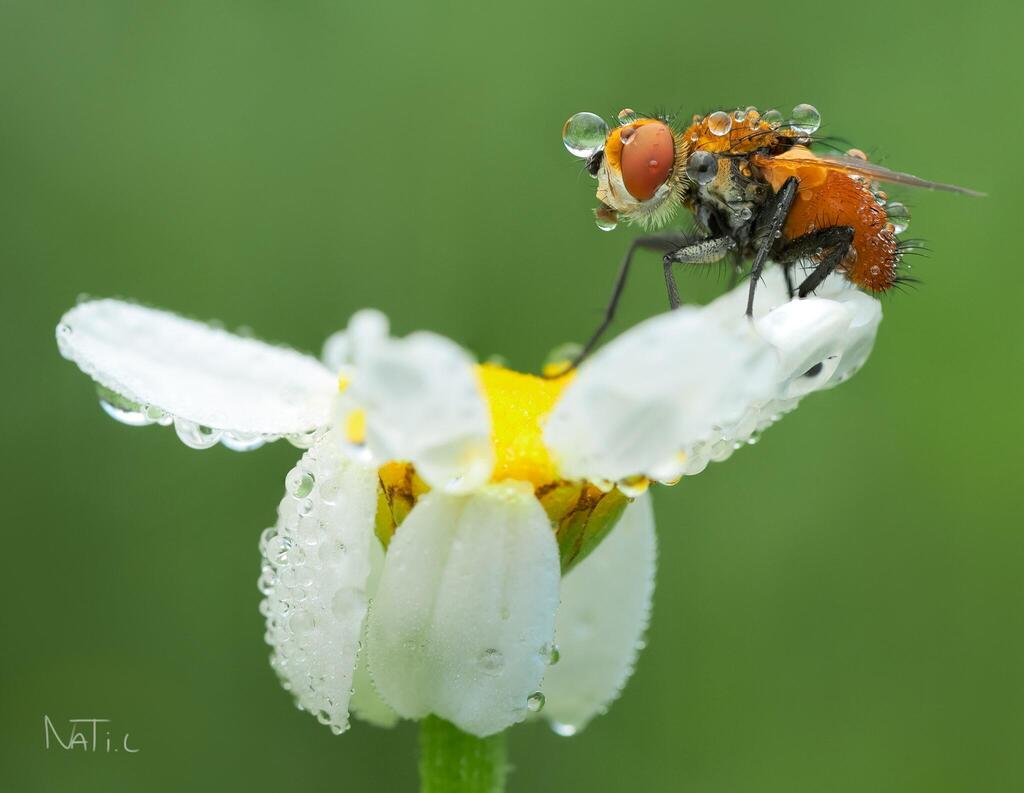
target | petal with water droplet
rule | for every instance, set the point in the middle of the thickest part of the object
(205, 378)
(366, 703)
(606, 603)
(316, 577)
(464, 615)
(423, 403)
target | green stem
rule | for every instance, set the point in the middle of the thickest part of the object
(452, 761)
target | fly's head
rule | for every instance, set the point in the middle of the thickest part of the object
(639, 166)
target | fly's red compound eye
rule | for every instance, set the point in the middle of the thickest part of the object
(648, 153)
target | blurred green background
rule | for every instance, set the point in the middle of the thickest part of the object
(837, 609)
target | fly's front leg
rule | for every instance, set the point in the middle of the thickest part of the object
(769, 225)
(703, 252)
(834, 242)
(666, 241)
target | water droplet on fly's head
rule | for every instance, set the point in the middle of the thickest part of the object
(626, 115)
(719, 123)
(606, 218)
(491, 661)
(535, 702)
(583, 134)
(702, 167)
(857, 154)
(899, 216)
(805, 119)
(773, 118)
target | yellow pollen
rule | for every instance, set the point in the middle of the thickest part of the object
(343, 382)
(355, 426)
(518, 403)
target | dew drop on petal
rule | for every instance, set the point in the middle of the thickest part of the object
(535, 702)
(491, 661)
(195, 436)
(583, 134)
(719, 123)
(565, 730)
(805, 119)
(123, 410)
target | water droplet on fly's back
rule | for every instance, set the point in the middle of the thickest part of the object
(719, 123)
(773, 118)
(535, 702)
(898, 215)
(583, 134)
(805, 119)
(626, 115)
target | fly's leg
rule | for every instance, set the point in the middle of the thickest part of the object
(788, 275)
(703, 252)
(770, 223)
(834, 242)
(666, 241)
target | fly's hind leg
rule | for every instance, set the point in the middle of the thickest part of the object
(677, 247)
(832, 244)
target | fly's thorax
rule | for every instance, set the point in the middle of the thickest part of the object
(728, 192)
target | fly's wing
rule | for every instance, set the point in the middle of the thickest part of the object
(871, 170)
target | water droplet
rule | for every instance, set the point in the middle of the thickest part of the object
(565, 730)
(719, 123)
(739, 116)
(554, 655)
(805, 119)
(491, 661)
(242, 441)
(898, 215)
(563, 354)
(535, 702)
(337, 729)
(875, 269)
(583, 134)
(301, 622)
(772, 118)
(857, 154)
(634, 486)
(626, 115)
(195, 436)
(702, 167)
(606, 218)
(306, 507)
(299, 483)
(121, 409)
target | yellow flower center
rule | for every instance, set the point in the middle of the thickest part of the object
(518, 403)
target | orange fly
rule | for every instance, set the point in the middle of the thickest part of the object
(757, 193)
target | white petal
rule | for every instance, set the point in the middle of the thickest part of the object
(423, 404)
(212, 384)
(690, 386)
(465, 612)
(606, 603)
(366, 703)
(655, 389)
(315, 577)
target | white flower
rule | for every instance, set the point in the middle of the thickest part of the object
(452, 542)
